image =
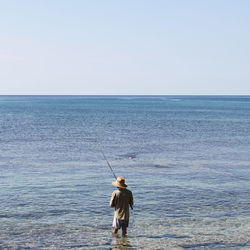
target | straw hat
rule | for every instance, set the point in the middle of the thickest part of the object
(120, 182)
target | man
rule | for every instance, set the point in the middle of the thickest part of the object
(120, 200)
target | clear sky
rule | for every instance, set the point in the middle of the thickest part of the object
(125, 47)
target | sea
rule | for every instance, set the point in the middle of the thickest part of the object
(185, 158)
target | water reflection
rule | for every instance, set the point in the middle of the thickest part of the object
(121, 243)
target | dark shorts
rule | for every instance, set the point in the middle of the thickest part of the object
(117, 223)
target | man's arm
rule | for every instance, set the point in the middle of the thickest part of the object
(112, 200)
(131, 201)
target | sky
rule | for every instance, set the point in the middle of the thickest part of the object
(124, 47)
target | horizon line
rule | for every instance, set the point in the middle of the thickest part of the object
(124, 95)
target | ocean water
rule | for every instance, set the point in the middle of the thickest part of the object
(185, 158)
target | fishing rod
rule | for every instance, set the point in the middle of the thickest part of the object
(108, 164)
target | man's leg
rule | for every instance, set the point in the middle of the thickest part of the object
(115, 225)
(124, 231)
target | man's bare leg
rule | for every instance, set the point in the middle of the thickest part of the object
(115, 230)
(124, 231)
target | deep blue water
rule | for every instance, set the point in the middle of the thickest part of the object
(186, 159)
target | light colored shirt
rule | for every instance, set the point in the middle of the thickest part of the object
(120, 200)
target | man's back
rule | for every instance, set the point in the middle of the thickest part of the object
(121, 199)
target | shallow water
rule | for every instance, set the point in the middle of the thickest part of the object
(186, 159)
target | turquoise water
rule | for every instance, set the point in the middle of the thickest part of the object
(186, 159)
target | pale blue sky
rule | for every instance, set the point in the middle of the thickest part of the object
(125, 47)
